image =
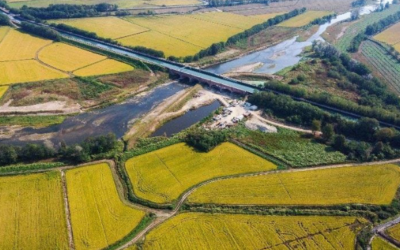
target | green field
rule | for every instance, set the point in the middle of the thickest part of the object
(162, 175)
(290, 147)
(385, 64)
(375, 184)
(359, 26)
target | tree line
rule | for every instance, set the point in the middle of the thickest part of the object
(218, 47)
(217, 3)
(373, 29)
(4, 20)
(58, 11)
(41, 31)
(375, 101)
(76, 153)
(368, 140)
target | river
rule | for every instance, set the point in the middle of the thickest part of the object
(284, 54)
(113, 119)
(188, 119)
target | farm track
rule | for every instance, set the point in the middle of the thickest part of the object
(48, 65)
(67, 211)
(379, 231)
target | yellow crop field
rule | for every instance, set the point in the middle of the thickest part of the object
(394, 232)
(108, 27)
(162, 175)
(265, 17)
(380, 244)
(176, 35)
(104, 67)
(99, 217)
(11, 49)
(158, 41)
(26, 71)
(121, 3)
(3, 32)
(32, 214)
(304, 19)
(367, 184)
(390, 36)
(39, 59)
(68, 58)
(238, 231)
(228, 19)
(190, 30)
(3, 90)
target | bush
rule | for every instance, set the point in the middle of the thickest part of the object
(204, 140)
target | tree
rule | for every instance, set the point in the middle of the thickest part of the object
(8, 155)
(315, 126)
(328, 132)
(339, 143)
(366, 128)
(384, 134)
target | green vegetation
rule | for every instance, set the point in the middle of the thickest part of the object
(41, 31)
(91, 88)
(290, 147)
(31, 121)
(385, 64)
(90, 149)
(360, 25)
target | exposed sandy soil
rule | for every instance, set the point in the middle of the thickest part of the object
(54, 107)
(152, 120)
(247, 68)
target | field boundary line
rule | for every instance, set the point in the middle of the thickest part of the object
(166, 166)
(91, 64)
(219, 23)
(191, 190)
(67, 211)
(180, 39)
(48, 65)
(5, 35)
(134, 34)
(17, 60)
(320, 232)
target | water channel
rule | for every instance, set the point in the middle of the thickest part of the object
(116, 119)
(284, 54)
(188, 119)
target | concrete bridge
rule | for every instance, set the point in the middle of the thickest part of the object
(209, 82)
